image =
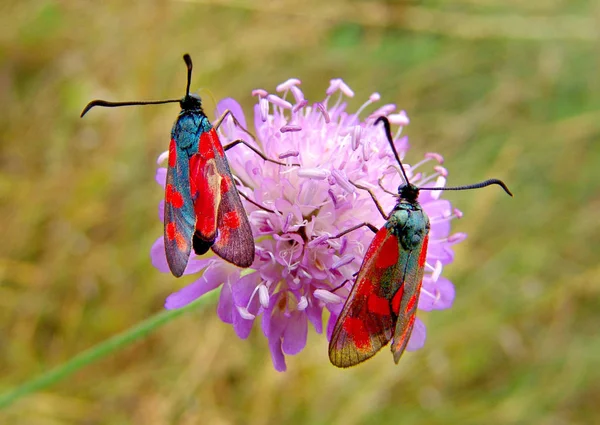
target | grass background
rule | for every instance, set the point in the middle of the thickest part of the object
(503, 89)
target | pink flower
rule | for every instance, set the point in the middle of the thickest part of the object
(297, 264)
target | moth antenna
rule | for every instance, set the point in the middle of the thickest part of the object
(473, 186)
(388, 133)
(188, 62)
(107, 104)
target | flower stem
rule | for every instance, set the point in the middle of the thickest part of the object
(102, 350)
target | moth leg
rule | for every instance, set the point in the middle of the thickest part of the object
(377, 204)
(343, 283)
(236, 142)
(219, 121)
(255, 203)
(380, 183)
(252, 148)
(358, 226)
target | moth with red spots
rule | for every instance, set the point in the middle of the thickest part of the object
(382, 304)
(203, 209)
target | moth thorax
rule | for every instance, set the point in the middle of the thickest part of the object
(409, 224)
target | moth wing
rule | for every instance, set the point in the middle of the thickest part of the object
(367, 320)
(222, 221)
(406, 311)
(180, 218)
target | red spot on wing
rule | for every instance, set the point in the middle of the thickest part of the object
(388, 255)
(231, 220)
(217, 142)
(378, 305)
(364, 288)
(225, 184)
(172, 153)
(196, 165)
(171, 231)
(206, 185)
(180, 241)
(397, 300)
(209, 144)
(409, 326)
(379, 237)
(423, 254)
(411, 303)
(173, 197)
(357, 331)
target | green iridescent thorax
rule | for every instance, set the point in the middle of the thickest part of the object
(409, 223)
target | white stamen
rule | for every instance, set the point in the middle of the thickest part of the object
(346, 259)
(441, 170)
(356, 134)
(163, 156)
(323, 111)
(317, 241)
(345, 89)
(276, 100)
(437, 270)
(290, 127)
(399, 119)
(334, 86)
(288, 154)
(440, 182)
(457, 237)
(297, 93)
(287, 85)
(302, 304)
(375, 97)
(260, 93)
(263, 104)
(245, 313)
(327, 297)
(263, 296)
(341, 180)
(313, 173)
(299, 105)
(384, 110)
(436, 156)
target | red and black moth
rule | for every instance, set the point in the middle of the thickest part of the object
(382, 304)
(203, 209)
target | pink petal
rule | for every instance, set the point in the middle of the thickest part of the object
(436, 295)
(295, 333)
(277, 355)
(418, 336)
(158, 256)
(234, 107)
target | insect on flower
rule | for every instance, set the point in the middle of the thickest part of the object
(383, 302)
(203, 209)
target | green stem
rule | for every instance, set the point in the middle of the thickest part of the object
(102, 350)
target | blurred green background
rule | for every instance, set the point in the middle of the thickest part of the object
(502, 88)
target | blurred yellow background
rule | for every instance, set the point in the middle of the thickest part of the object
(503, 89)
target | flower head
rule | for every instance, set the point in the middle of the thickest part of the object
(297, 264)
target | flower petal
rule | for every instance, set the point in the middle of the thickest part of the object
(158, 256)
(277, 355)
(211, 279)
(418, 336)
(231, 104)
(295, 334)
(437, 295)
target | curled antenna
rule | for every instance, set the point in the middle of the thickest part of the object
(473, 186)
(107, 104)
(388, 133)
